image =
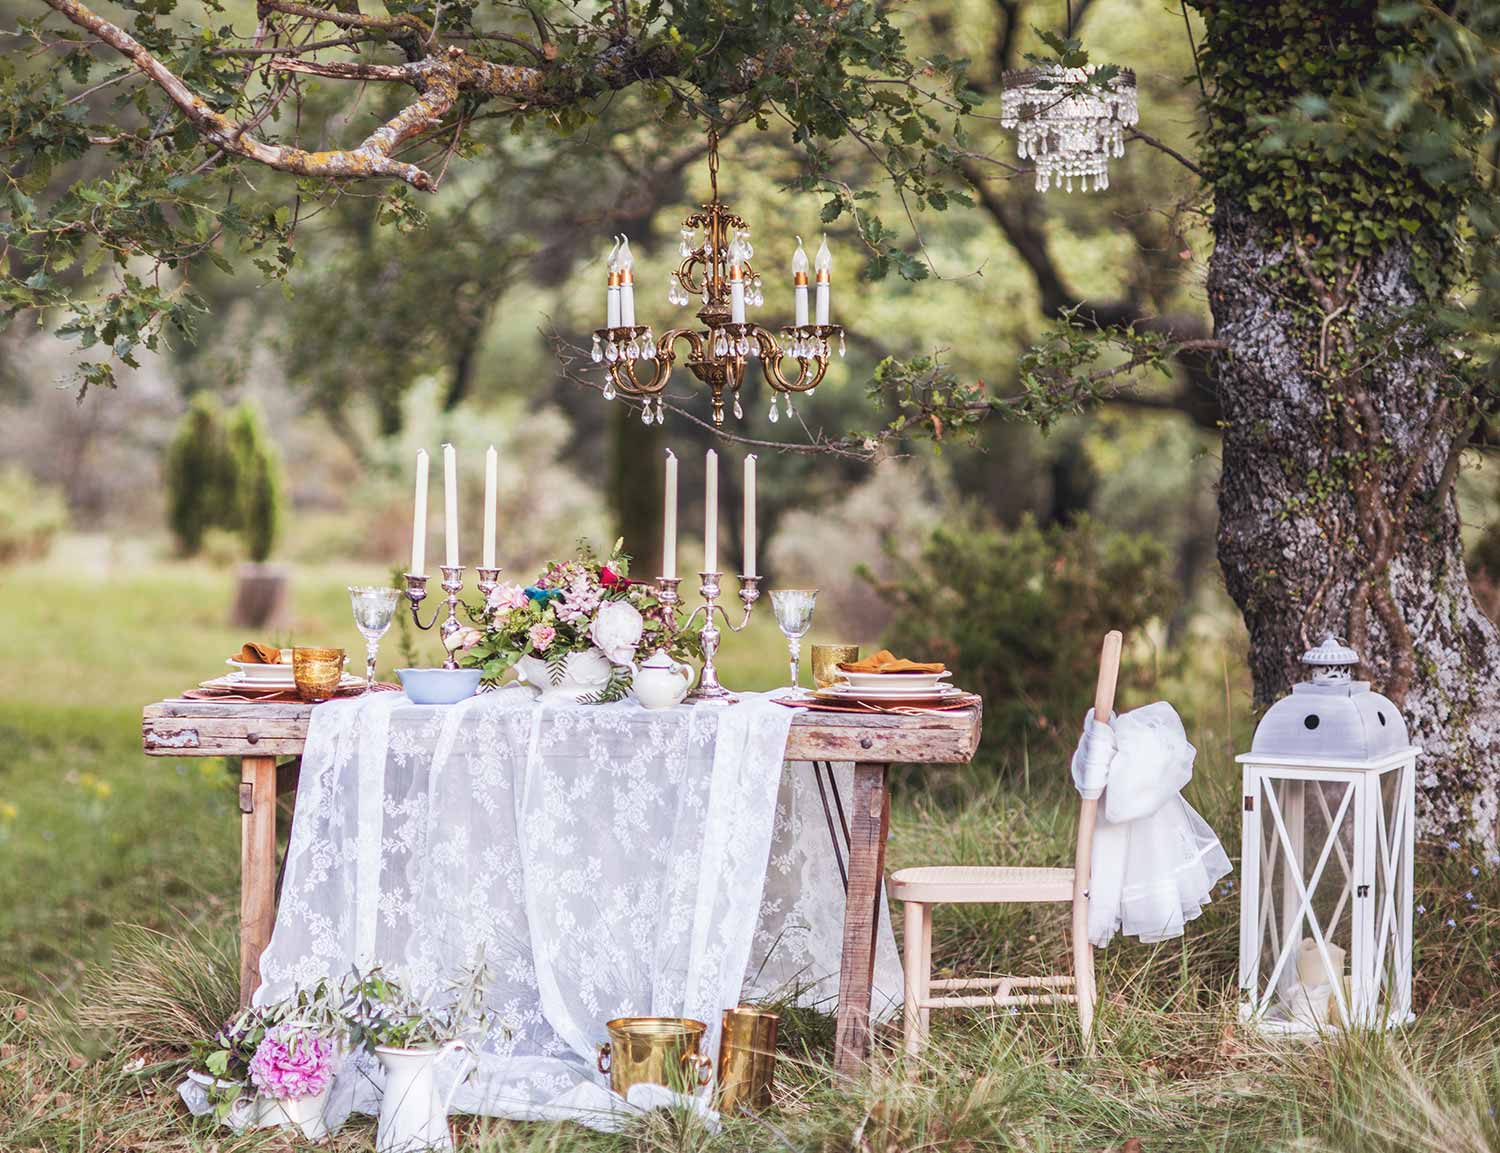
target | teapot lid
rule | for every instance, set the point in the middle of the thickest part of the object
(657, 660)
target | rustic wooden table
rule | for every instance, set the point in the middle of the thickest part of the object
(268, 739)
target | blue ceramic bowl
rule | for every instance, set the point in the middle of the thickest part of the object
(439, 686)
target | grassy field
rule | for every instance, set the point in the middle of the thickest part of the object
(116, 935)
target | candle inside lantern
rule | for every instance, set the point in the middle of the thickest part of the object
(491, 484)
(450, 503)
(627, 284)
(749, 525)
(711, 513)
(823, 264)
(612, 289)
(1311, 971)
(669, 521)
(419, 518)
(799, 285)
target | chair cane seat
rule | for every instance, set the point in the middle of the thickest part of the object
(980, 884)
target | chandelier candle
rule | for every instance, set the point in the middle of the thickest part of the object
(450, 503)
(736, 294)
(419, 518)
(749, 525)
(669, 522)
(711, 513)
(612, 288)
(491, 481)
(627, 284)
(799, 286)
(823, 263)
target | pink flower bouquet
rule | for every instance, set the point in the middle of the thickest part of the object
(292, 1063)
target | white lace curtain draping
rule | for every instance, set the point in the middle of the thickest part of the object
(605, 860)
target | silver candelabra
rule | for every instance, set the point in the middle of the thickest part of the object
(453, 584)
(709, 688)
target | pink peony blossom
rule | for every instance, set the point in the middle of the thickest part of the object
(292, 1063)
(541, 637)
(506, 597)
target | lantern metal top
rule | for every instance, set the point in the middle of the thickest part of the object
(1332, 717)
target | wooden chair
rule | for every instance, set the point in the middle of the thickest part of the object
(922, 888)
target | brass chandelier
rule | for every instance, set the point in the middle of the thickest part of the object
(715, 268)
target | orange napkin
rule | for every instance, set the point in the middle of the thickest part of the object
(886, 661)
(255, 653)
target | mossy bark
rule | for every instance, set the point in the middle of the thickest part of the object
(1337, 505)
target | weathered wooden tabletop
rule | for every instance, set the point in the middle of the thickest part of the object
(260, 734)
(206, 728)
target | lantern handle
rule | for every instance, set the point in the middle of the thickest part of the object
(1083, 853)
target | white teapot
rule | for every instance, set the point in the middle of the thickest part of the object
(660, 682)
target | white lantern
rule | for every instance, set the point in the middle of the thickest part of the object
(1326, 856)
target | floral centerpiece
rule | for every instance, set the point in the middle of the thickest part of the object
(576, 630)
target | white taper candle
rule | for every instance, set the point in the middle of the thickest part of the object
(823, 264)
(450, 503)
(419, 518)
(711, 513)
(491, 493)
(749, 526)
(669, 521)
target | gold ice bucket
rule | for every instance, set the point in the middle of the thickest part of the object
(747, 1059)
(655, 1051)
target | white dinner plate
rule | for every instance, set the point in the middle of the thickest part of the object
(850, 693)
(904, 681)
(237, 681)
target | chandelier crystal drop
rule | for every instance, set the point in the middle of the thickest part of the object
(715, 252)
(1069, 124)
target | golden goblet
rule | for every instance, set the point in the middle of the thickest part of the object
(826, 660)
(317, 672)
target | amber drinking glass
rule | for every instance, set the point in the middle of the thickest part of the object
(317, 672)
(826, 660)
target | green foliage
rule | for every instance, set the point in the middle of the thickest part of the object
(1018, 615)
(257, 481)
(199, 475)
(31, 515)
(223, 472)
(1295, 136)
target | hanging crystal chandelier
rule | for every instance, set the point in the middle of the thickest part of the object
(715, 269)
(1067, 122)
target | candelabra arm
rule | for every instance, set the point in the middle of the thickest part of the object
(416, 592)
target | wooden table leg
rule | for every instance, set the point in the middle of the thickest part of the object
(869, 821)
(257, 866)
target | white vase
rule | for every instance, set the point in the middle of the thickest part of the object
(413, 1117)
(306, 1114)
(584, 674)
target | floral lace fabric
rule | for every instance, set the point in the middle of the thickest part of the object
(605, 860)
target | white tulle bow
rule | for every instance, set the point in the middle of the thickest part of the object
(1155, 860)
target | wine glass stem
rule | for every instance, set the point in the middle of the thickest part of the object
(370, 649)
(795, 644)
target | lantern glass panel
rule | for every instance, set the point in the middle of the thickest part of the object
(1391, 892)
(1307, 891)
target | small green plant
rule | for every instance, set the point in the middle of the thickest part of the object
(1018, 614)
(379, 1009)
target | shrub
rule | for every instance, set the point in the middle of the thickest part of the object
(31, 515)
(257, 481)
(223, 472)
(199, 475)
(1018, 615)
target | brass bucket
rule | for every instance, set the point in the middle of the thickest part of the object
(747, 1059)
(655, 1051)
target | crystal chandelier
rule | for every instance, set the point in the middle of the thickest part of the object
(1067, 122)
(715, 269)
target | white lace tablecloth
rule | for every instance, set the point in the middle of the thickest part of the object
(606, 861)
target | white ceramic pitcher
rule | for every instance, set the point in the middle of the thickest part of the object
(661, 682)
(413, 1118)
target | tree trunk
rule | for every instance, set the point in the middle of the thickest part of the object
(637, 472)
(1337, 507)
(260, 600)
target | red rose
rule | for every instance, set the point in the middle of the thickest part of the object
(611, 579)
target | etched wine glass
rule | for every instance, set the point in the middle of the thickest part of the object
(373, 610)
(794, 611)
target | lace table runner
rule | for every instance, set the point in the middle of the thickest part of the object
(605, 860)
